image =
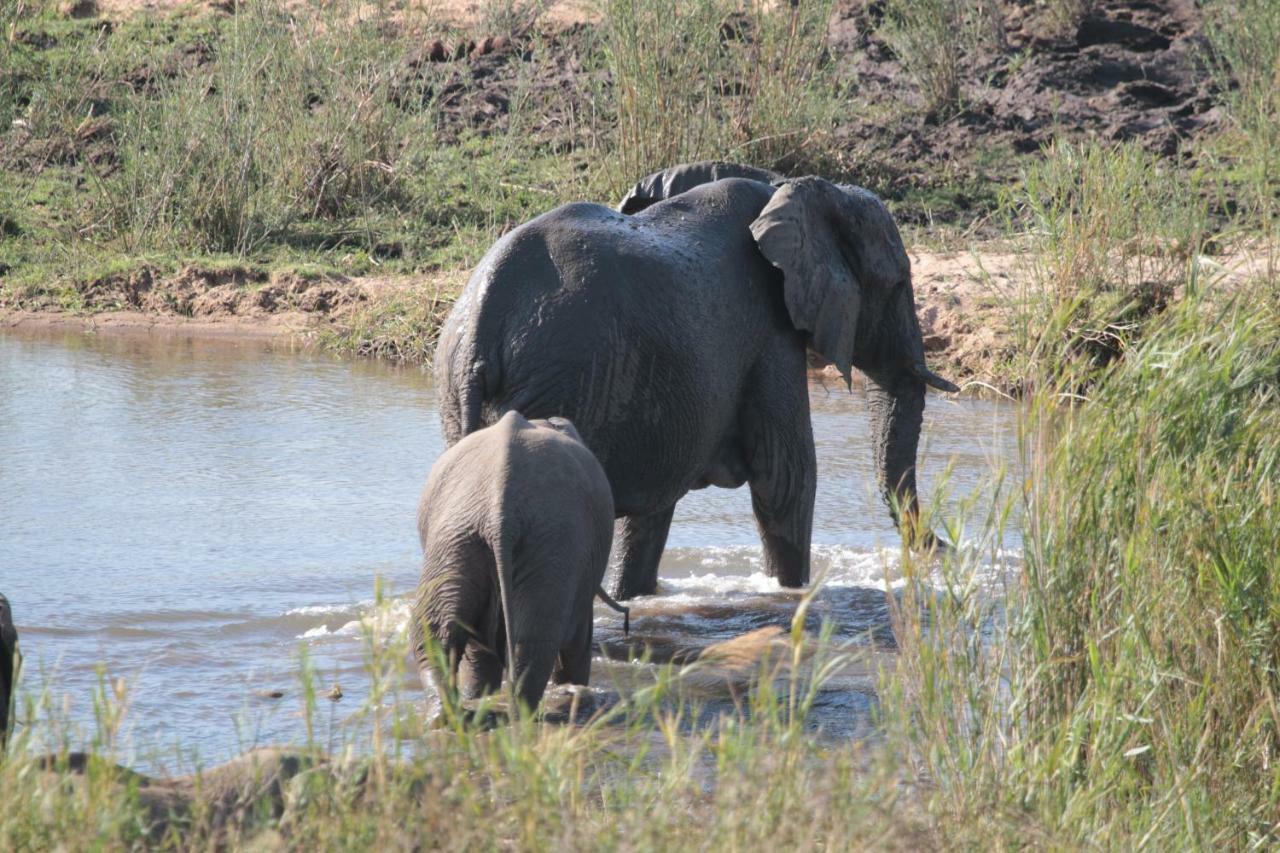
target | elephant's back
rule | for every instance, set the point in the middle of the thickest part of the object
(637, 329)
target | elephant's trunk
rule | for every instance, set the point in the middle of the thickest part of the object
(897, 411)
(896, 393)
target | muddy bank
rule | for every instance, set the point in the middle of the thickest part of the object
(1124, 72)
(971, 303)
(393, 317)
(398, 317)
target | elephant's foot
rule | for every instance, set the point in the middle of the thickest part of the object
(640, 541)
(785, 561)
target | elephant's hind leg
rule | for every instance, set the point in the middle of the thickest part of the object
(640, 541)
(533, 665)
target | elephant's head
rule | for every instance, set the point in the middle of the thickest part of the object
(847, 284)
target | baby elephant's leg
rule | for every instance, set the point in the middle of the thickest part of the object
(480, 672)
(573, 666)
(534, 660)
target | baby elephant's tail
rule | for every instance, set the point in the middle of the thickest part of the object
(503, 567)
(613, 605)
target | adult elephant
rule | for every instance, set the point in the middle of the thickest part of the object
(675, 341)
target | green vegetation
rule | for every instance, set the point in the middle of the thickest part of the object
(1244, 40)
(1118, 691)
(1124, 695)
(932, 38)
(262, 136)
(1114, 237)
(703, 79)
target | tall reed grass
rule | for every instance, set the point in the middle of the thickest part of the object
(934, 38)
(1244, 53)
(1114, 236)
(703, 79)
(293, 120)
(1123, 695)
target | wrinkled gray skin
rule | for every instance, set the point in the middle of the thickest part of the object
(519, 513)
(675, 341)
(8, 667)
(661, 186)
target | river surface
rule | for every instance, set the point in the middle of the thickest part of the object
(187, 517)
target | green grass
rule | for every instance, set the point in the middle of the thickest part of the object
(1122, 695)
(1113, 237)
(1116, 690)
(934, 39)
(708, 79)
(1244, 53)
(401, 326)
(272, 138)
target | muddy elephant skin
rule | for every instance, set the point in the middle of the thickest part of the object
(675, 341)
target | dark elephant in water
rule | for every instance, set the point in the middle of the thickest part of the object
(675, 340)
(9, 661)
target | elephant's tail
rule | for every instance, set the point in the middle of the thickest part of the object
(503, 568)
(471, 397)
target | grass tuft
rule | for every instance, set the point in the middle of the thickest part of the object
(705, 79)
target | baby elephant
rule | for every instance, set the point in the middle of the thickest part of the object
(515, 522)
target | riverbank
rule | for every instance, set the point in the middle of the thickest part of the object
(974, 306)
(378, 166)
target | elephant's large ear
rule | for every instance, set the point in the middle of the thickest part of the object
(832, 244)
(661, 186)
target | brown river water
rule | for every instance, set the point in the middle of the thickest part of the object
(190, 516)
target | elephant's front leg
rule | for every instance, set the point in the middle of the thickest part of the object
(786, 528)
(639, 542)
(783, 480)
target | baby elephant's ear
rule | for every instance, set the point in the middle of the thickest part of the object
(800, 231)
